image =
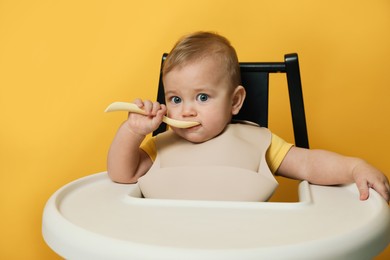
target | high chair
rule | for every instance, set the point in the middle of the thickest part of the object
(94, 218)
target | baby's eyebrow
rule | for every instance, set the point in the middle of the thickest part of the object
(170, 92)
(203, 88)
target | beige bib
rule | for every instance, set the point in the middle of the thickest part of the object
(231, 166)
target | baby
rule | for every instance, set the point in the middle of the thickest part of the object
(201, 79)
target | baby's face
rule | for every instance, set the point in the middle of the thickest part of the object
(199, 91)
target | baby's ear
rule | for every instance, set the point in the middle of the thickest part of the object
(238, 98)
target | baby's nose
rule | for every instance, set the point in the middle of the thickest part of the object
(188, 110)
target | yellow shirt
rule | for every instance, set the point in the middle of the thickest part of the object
(274, 156)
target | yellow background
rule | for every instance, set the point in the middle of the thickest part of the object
(63, 62)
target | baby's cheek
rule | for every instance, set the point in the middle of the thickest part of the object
(170, 113)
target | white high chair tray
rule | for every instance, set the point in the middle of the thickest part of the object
(94, 218)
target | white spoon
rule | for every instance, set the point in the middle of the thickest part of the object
(133, 108)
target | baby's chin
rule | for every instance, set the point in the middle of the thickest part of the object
(192, 137)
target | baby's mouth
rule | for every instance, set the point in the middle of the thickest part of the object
(195, 126)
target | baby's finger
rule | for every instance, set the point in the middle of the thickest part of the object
(138, 102)
(161, 111)
(363, 188)
(384, 191)
(381, 186)
(148, 107)
(156, 107)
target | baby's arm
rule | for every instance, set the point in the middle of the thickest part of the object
(126, 162)
(328, 168)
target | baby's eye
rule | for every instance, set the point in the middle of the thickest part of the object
(202, 97)
(176, 99)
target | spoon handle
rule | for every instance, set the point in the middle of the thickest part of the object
(133, 108)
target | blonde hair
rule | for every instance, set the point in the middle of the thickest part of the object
(200, 45)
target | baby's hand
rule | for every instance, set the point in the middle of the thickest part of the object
(145, 124)
(366, 176)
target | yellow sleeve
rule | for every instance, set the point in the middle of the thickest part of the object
(149, 147)
(276, 152)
